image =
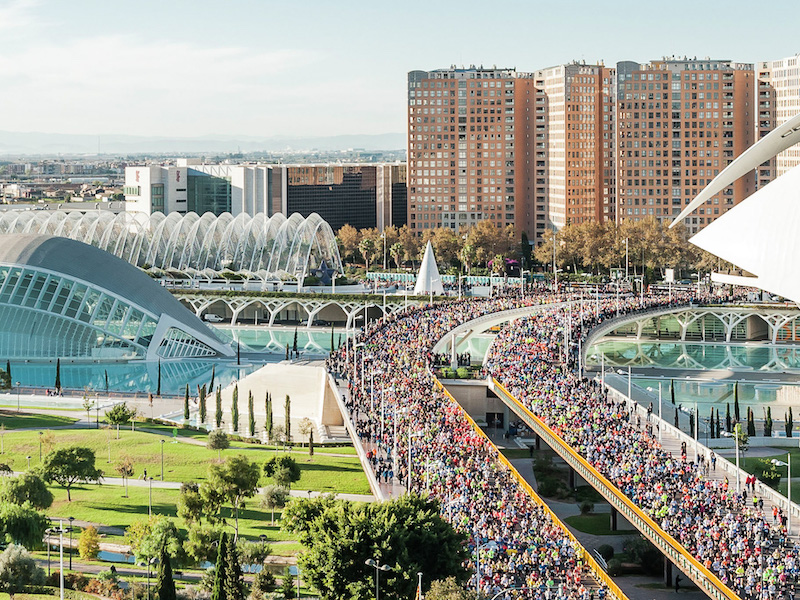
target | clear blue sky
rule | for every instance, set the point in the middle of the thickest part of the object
(314, 67)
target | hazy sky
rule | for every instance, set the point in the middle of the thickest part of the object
(314, 67)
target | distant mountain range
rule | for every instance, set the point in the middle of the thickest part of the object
(16, 143)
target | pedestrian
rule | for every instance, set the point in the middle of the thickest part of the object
(677, 583)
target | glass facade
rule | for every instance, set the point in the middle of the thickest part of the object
(205, 194)
(48, 315)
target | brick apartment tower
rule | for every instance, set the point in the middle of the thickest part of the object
(470, 145)
(577, 148)
(778, 101)
(679, 123)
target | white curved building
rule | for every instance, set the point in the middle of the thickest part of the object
(260, 247)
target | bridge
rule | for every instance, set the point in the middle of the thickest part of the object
(237, 308)
(723, 323)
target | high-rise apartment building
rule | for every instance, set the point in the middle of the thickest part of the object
(679, 123)
(578, 141)
(778, 101)
(470, 145)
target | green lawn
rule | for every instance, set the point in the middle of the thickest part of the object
(182, 461)
(596, 524)
(14, 420)
(756, 466)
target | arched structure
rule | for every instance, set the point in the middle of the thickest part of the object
(260, 247)
(60, 298)
(759, 234)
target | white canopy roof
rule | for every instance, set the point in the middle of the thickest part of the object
(428, 278)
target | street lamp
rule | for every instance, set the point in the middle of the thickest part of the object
(378, 568)
(150, 497)
(491, 545)
(410, 449)
(71, 520)
(162, 460)
(18, 396)
(29, 462)
(41, 433)
(383, 237)
(149, 563)
(787, 464)
(522, 283)
(735, 436)
(61, 557)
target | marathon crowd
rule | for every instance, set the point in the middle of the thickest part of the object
(511, 538)
(724, 530)
(394, 406)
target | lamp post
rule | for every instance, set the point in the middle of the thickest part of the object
(787, 464)
(378, 568)
(29, 462)
(41, 433)
(149, 563)
(71, 520)
(18, 396)
(410, 452)
(61, 557)
(162, 460)
(383, 237)
(150, 497)
(735, 436)
(555, 272)
(491, 545)
(522, 283)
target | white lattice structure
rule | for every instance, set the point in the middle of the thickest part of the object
(309, 310)
(260, 247)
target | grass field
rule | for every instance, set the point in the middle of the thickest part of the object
(182, 461)
(14, 420)
(596, 524)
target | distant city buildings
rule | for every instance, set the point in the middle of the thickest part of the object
(362, 195)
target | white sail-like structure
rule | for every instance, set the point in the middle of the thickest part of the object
(760, 234)
(428, 278)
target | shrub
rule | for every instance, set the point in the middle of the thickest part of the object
(614, 567)
(606, 551)
(548, 486)
(586, 507)
(770, 475)
(462, 372)
(645, 554)
(89, 543)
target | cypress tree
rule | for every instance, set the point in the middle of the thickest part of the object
(235, 408)
(728, 425)
(719, 428)
(233, 583)
(213, 373)
(8, 369)
(789, 425)
(288, 424)
(158, 386)
(201, 394)
(751, 423)
(736, 402)
(332, 346)
(251, 418)
(58, 375)
(294, 344)
(768, 423)
(311, 443)
(672, 390)
(105, 372)
(711, 424)
(691, 423)
(165, 584)
(677, 418)
(268, 416)
(287, 350)
(218, 412)
(219, 592)
(186, 404)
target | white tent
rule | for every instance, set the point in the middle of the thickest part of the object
(428, 278)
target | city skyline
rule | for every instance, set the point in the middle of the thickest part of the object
(180, 69)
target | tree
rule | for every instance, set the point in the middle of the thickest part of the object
(788, 423)
(397, 251)
(22, 525)
(251, 417)
(408, 534)
(234, 584)
(367, 248)
(58, 375)
(18, 570)
(768, 423)
(348, 241)
(311, 443)
(88, 405)
(147, 536)
(201, 395)
(190, 503)
(89, 543)
(165, 585)
(274, 496)
(201, 541)
(120, 414)
(235, 408)
(736, 402)
(219, 592)
(125, 470)
(283, 469)
(306, 427)
(213, 374)
(218, 408)
(26, 487)
(67, 466)
(158, 387)
(8, 369)
(186, 404)
(447, 589)
(268, 416)
(728, 425)
(287, 408)
(287, 585)
(218, 440)
(234, 480)
(751, 423)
